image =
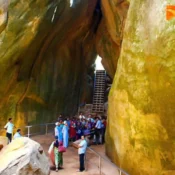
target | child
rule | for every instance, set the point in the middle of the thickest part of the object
(58, 156)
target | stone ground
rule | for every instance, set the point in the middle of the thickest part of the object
(71, 161)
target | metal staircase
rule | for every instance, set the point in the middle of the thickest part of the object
(99, 90)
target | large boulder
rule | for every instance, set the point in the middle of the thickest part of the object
(23, 156)
(141, 126)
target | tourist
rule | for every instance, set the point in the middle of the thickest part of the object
(83, 122)
(89, 117)
(81, 151)
(86, 131)
(65, 135)
(78, 131)
(81, 116)
(68, 123)
(9, 130)
(73, 131)
(103, 130)
(56, 130)
(92, 120)
(58, 155)
(17, 134)
(60, 117)
(98, 128)
(60, 133)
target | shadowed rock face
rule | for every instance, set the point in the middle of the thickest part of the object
(141, 124)
(46, 49)
(110, 33)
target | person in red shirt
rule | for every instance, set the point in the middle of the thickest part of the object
(73, 131)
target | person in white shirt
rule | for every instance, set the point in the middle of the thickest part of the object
(81, 151)
(56, 129)
(17, 134)
(9, 129)
(89, 117)
(81, 116)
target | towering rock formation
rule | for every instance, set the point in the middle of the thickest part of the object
(110, 33)
(141, 125)
(46, 49)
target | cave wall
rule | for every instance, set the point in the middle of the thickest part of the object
(110, 33)
(44, 58)
(47, 50)
(141, 124)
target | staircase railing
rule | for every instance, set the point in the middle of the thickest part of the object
(37, 129)
(100, 158)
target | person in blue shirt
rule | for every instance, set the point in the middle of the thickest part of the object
(86, 131)
(78, 131)
(81, 151)
(17, 134)
(68, 123)
(9, 130)
(60, 132)
(65, 131)
(98, 131)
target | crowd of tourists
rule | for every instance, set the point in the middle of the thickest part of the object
(72, 129)
(81, 128)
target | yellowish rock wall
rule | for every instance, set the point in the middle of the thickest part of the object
(141, 124)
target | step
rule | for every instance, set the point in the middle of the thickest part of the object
(100, 83)
(99, 92)
(98, 104)
(98, 99)
(97, 110)
(98, 95)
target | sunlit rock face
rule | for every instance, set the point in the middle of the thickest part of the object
(23, 156)
(3, 14)
(46, 49)
(141, 125)
(110, 33)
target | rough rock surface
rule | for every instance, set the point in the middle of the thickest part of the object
(46, 51)
(23, 157)
(141, 126)
(3, 142)
(110, 33)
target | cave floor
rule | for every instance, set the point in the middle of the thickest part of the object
(71, 159)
